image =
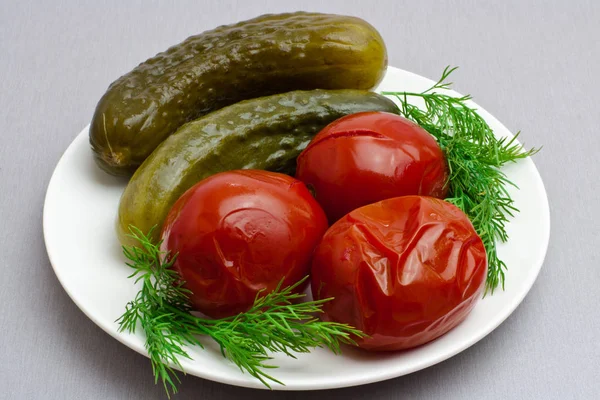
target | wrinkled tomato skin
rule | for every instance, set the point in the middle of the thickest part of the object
(404, 271)
(367, 157)
(238, 232)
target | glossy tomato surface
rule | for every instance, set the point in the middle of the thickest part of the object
(404, 270)
(241, 231)
(367, 157)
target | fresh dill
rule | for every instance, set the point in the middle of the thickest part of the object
(276, 323)
(474, 155)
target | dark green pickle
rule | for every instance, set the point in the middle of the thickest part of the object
(266, 55)
(264, 133)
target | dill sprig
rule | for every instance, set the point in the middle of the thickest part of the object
(474, 155)
(276, 323)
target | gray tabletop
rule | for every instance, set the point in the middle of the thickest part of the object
(534, 65)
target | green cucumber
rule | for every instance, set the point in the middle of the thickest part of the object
(266, 55)
(264, 133)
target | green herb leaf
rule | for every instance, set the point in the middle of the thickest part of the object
(474, 155)
(276, 323)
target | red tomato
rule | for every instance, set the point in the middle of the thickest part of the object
(367, 157)
(404, 271)
(241, 231)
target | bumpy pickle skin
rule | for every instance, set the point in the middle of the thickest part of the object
(264, 133)
(266, 55)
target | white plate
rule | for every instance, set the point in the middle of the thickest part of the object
(79, 214)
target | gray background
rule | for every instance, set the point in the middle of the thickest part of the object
(534, 65)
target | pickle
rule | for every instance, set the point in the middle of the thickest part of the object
(266, 55)
(264, 133)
